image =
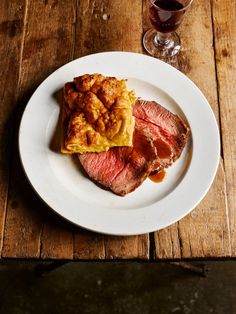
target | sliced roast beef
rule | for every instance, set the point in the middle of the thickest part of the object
(138, 163)
(158, 140)
(122, 169)
(168, 131)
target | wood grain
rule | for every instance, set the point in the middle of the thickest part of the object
(105, 25)
(224, 22)
(136, 247)
(88, 245)
(56, 238)
(11, 28)
(43, 50)
(205, 232)
(39, 36)
(100, 27)
(168, 245)
(190, 236)
(24, 218)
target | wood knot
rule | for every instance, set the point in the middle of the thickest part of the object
(11, 28)
(225, 52)
(14, 204)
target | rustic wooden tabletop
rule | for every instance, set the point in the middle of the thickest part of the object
(37, 37)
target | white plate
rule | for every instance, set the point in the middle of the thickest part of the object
(60, 183)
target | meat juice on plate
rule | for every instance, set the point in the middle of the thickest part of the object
(163, 151)
(158, 176)
(166, 15)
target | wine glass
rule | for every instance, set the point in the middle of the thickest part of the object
(165, 16)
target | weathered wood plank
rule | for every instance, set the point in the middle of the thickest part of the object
(57, 238)
(102, 26)
(24, 218)
(105, 25)
(167, 243)
(136, 247)
(190, 236)
(224, 21)
(88, 245)
(48, 26)
(11, 27)
(48, 42)
(205, 232)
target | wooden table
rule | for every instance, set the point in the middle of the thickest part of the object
(37, 37)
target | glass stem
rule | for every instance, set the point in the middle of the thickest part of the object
(162, 39)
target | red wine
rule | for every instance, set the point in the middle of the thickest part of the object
(169, 5)
(165, 15)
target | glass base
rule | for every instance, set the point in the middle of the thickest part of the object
(161, 45)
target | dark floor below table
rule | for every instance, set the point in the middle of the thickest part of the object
(130, 287)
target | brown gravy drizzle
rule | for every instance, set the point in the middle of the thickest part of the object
(163, 151)
(158, 176)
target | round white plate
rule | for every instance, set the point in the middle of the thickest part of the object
(59, 181)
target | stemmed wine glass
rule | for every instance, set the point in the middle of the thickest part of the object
(165, 16)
